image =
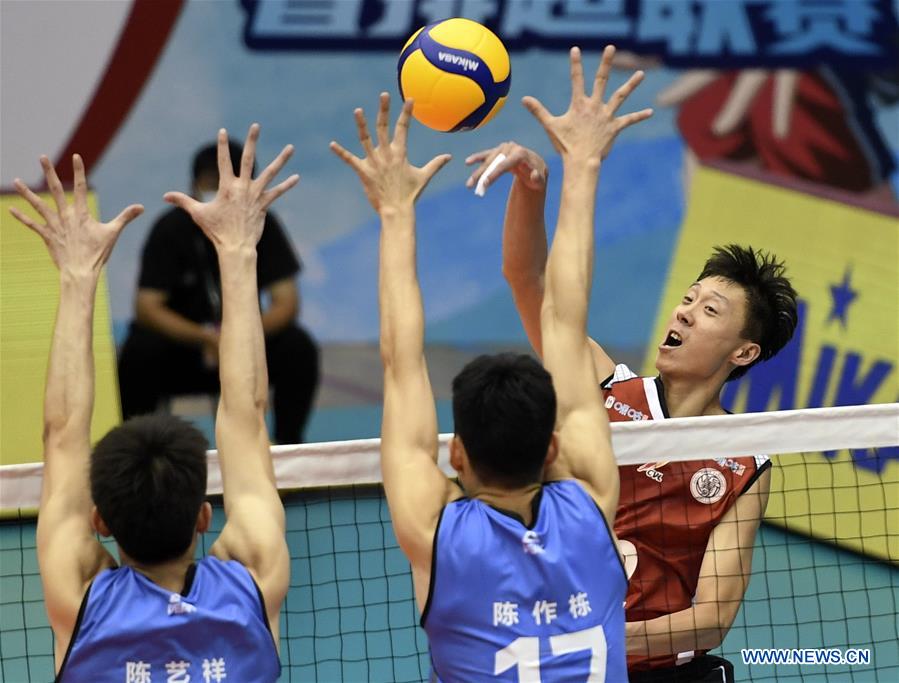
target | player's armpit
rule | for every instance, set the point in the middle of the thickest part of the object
(69, 553)
(254, 536)
(69, 556)
(585, 455)
(602, 362)
(254, 531)
(416, 495)
(415, 487)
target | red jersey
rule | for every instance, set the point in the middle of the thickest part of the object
(667, 511)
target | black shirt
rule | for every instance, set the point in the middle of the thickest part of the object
(179, 260)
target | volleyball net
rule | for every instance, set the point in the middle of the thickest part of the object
(827, 594)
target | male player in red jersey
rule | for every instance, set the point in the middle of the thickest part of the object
(687, 529)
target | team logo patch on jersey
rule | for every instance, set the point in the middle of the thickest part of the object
(531, 543)
(708, 485)
(178, 606)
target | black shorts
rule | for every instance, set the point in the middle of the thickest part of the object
(704, 669)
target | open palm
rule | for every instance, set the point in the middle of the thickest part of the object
(236, 217)
(589, 127)
(77, 241)
(387, 176)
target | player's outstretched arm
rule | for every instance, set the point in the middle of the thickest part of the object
(723, 579)
(69, 554)
(524, 235)
(580, 135)
(416, 489)
(524, 228)
(233, 221)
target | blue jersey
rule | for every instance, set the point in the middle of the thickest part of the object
(512, 603)
(131, 629)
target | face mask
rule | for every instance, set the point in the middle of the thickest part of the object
(206, 195)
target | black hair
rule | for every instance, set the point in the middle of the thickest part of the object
(206, 160)
(504, 408)
(148, 481)
(771, 308)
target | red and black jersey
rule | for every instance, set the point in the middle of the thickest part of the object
(667, 511)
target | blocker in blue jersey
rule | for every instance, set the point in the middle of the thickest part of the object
(160, 615)
(511, 575)
(527, 602)
(206, 632)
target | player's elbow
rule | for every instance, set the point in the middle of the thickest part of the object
(388, 352)
(518, 277)
(563, 331)
(63, 430)
(719, 617)
(712, 636)
(260, 401)
(54, 427)
(527, 287)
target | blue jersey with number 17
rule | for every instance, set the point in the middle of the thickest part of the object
(528, 604)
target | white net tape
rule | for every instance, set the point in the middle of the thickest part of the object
(338, 463)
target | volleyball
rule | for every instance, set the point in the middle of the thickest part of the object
(457, 71)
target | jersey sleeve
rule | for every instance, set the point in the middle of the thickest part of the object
(621, 373)
(277, 258)
(762, 463)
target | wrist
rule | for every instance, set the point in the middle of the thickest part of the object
(397, 216)
(525, 188)
(231, 256)
(79, 278)
(396, 210)
(582, 163)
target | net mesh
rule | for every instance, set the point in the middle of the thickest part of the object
(350, 614)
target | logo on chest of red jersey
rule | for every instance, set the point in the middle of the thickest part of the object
(624, 409)
(708, 485)
(651, 470)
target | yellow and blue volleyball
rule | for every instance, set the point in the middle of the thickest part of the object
(457, 71)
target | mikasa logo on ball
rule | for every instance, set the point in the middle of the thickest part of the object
(466, 63)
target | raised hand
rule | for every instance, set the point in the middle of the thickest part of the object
(389, 180)
(525, 164)
(587, 130)
(77, 241)
(236, 216)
